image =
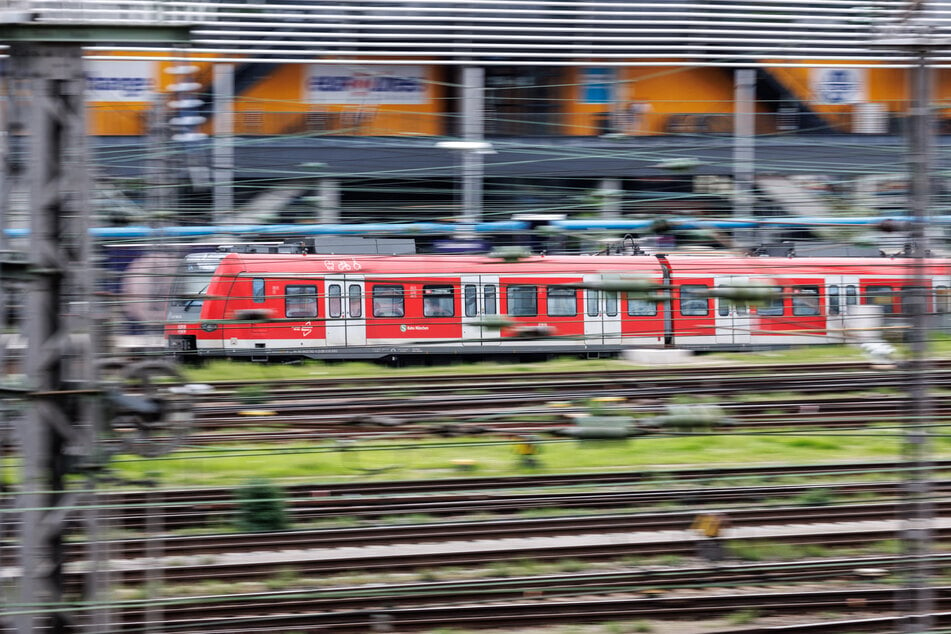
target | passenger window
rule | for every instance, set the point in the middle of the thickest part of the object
(469, 293)
(257, 290)
(562, 302)
(692, 301)
(523, 301)
(851, 296)
(912, 294)
(835, 306)
(334, 301)
(489, 295)
(805, 300)
(591, 298)
(880, 296)
(942, 299)
(775, 307)
(438, 301)
(387, 301)
(637, 307)
(610, 303)
(356, 300)
(300, 301)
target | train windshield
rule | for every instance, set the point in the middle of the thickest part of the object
(191, 285)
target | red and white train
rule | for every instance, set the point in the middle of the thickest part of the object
(372, 306)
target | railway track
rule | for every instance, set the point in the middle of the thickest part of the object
(376, 599)
(441, 531)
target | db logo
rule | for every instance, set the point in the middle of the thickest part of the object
(402, 327)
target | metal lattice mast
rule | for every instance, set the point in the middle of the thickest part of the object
(59, 433)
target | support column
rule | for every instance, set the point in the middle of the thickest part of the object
(473, 130)
(744, 129)
(610, 194)
(223, 148)
(916, 599)
(328, 201)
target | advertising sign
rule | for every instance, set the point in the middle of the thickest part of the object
(342, 84)
(838, 86)
(597, 85)
(119, 80)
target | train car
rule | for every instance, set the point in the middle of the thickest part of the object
(266, 306)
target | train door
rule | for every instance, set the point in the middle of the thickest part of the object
(842, 291)
(602, 315)
(733, 322)
(480, 300)
(345, 310)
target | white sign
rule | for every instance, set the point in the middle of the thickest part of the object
(119, 80)
(838, 86)
(333, 84)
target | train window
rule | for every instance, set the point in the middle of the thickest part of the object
(805, 300)
(592, 296)
(835, 300)
(693, 302)
(562, 302)
(388, 300)
(470, 296)
(438, 301)
(356, 300)
(300, 301)
(942, 299)
(257, 290)
(637, 307)
(610, 303)
(880, 296)
(489, 294)
(334, 303)
(912, 294)
(723, 307)
(523, 301)
(851, 296)
(775, 307)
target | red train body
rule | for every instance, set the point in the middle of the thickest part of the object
(372, 306)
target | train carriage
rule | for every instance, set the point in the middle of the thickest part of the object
(325, 306)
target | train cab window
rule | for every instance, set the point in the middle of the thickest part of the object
(470, 296)
(610, 303)
(334, 300)
(388, 300)
(774, 307)
(438, 301)
(805, 300)
(592, 295)
(356, 300)
(562, 302)
(523, 301)
(300, 301)
(638, 307)
(942, 299)
(835, 300)
(723, 307)
(257, 290)
(693, 302)
(880, 296)
(851, 295)
(489, 295)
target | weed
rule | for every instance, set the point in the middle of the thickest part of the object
(743, 617)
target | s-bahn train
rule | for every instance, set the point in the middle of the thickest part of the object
(265, 306)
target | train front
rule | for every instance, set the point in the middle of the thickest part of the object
(184, 334)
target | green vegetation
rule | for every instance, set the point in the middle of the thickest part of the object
(428, 458)
(261, 507)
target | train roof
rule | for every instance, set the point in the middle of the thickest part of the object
(318, 264)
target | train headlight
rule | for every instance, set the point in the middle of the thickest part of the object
(209, 327)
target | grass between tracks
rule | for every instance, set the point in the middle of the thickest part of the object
(429, 459)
